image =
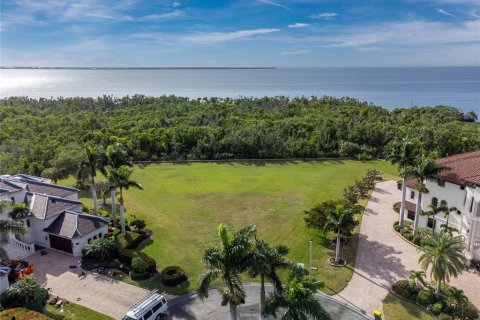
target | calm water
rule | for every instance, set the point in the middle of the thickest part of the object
(388, 87)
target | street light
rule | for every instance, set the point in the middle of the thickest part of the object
(310, 266)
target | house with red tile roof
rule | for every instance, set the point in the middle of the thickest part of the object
(459, 188)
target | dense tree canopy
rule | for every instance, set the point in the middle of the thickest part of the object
(39, 134)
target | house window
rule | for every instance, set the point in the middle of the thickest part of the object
(147, 315)
(431, 223)
(94, 237)
(411, 215)
(100, 235)
(443, 203)
(412, 195)
(434, 201)
(28, 223)
(89, 240)
(46, 238)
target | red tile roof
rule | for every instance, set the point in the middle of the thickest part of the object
(410, 206)
(464, 168)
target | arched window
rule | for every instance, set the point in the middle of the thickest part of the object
(412, 195)
(434, 201)
(443, 203)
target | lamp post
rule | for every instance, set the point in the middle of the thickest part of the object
(310, 265)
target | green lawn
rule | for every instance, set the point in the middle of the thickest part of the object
(395, 308)
(184, 203)
(71, 311)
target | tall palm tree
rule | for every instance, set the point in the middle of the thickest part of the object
(403, 155)
(90, 165)
(115, 156)
(264, 264)
(297, 301)
(9, 226)
(425, 169)
(341, 221)
(443, 255)
(432, 212)
(120, 178)
(232, 256)
(417, 277)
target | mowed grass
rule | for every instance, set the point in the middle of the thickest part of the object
(184, 203)
(396, 308)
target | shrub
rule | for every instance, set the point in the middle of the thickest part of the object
(26, 292)
(425, 298)
(437, 308)
(409, 236)
(101, 248)
(139, 276)
(444, 316)
(397, 228)
(406, 289)
(396, 207)
(468, 312)
(139, 265)
(417, 239)
(127, 255)
(138, 224)
(129, 241)
(173, 276)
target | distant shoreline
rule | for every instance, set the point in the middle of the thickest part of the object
(139, 68)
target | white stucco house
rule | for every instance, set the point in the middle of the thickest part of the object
(460, 188)
(56, 220)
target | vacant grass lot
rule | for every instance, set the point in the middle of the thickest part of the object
(399, 309)
(184, 203)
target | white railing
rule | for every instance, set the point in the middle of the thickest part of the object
(22, 245)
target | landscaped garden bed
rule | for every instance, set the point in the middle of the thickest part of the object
(406, 232)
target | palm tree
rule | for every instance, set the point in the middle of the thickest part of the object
(232, 256)
(417, 277)
(297, 301)
(443, 255)
(403, 156)
(265, 262)
(445, 227)
(9, 226)
(424, 169)
(341, 221)
(434, 210)
(120, 178)
(90, 165)
(115, 156)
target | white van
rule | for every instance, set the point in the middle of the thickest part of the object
(152, 307)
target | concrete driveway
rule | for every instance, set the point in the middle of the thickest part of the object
(383, 257)
(97, 292)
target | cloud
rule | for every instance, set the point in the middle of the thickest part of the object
(298, 25)
(297, 52)
(324, 16)
(446, 13)
(176, 4)
(163, 16)
(276, 4)
(217, 37)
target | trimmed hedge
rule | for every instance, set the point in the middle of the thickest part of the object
(173, 276)
(406, 289)
(425, 298)
(130, 240)
(127, 255)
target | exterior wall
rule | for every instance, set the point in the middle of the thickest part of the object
(41, 237)
(80, 243)
(4, 283)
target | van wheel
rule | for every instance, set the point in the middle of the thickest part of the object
(160, 316)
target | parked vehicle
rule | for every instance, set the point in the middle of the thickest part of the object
(18, 269)
(152, 307)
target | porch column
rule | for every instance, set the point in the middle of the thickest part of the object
(471, 236)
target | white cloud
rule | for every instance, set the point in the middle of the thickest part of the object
(298, 25)
(176, 4)
(324, 16)
(163, 16)
(217, 37)
(446, 13)
(297, 52)
(276, 4)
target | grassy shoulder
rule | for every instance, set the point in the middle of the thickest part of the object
(184, 203)
(399, 309)
(71, 311)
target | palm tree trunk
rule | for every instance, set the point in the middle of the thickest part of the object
(262, 294)
(417, 213)
(114, 208)
(94, 197)
(446, 224)
(233, 311)
(434, 225)
(437, 289)
(337, 250)
(402, 205)
(122, 213)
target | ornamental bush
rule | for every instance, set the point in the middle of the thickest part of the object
(437, 308)
(444, 316)
(173, 276)
(139, 265)
(26, 292)
(425, 298)
(468, 312)
(138, 224)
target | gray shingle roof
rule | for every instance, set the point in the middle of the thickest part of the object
(50, 189)
(7, 186)
(74, 225)
(45, 207)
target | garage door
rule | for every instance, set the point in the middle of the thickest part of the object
(60, 243)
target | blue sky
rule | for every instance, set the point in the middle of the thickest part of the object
(278, 33)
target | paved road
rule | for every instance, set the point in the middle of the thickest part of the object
(191, 307)
(383, 257)
(100, 293)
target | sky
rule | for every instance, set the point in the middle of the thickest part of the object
(274, 33)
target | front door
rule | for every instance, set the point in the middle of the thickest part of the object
(60, 243)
